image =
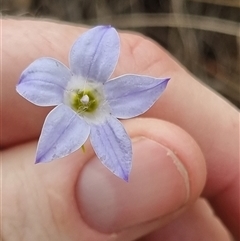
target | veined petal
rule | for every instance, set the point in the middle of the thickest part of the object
(132, 95)
(112, 146)
(63, 133)
(95, 54)
(44, 81)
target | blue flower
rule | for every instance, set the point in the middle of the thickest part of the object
(87, 103)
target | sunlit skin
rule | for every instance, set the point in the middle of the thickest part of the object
(43, 202)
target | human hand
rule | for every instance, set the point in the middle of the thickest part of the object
(75, 198)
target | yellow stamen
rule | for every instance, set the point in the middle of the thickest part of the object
(83, 148)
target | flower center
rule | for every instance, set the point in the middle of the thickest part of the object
(84, 101)
(87, 99)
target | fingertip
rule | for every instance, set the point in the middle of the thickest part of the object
(168, 173)
(179, 143)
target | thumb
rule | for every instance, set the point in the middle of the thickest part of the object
(168, 173)
(77, 198)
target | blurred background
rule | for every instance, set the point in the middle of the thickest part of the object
(204, 35)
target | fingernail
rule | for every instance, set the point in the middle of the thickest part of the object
(158, 185)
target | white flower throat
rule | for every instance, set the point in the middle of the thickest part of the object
(87, 99)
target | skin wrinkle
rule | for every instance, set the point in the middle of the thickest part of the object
(28, 184)
(40, 195)
(59, 218)
(127, 43)
(233, 179)
(150, 63)
(51, 44)
(38, 47)
(137, 43)
(9, 229)
(55, 219)
(64, 214)
(139, 67)
(150, 225)
(229, 184)
(229, 177)
(52, 217)
(19, 206)
(134, 48)
(156, 63)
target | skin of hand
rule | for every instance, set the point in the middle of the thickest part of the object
(186, 145)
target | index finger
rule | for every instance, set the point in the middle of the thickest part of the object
(213, 122)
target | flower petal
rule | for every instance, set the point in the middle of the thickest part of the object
(113, 146)
(63, 133)
(94, 55)
(132, 95)
(44, 81)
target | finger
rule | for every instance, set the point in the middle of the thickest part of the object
(77, 198)
(197, 223)
(21, 120)
(125, 199)
(209, 119)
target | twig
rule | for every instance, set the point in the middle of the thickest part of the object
(171, 20)
(230, 3)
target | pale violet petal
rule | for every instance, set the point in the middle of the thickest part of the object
(63, 133)
(132, 95)
(43, 82)
(112, 146)
(95, 54)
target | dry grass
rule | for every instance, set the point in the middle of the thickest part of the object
(203, 34)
